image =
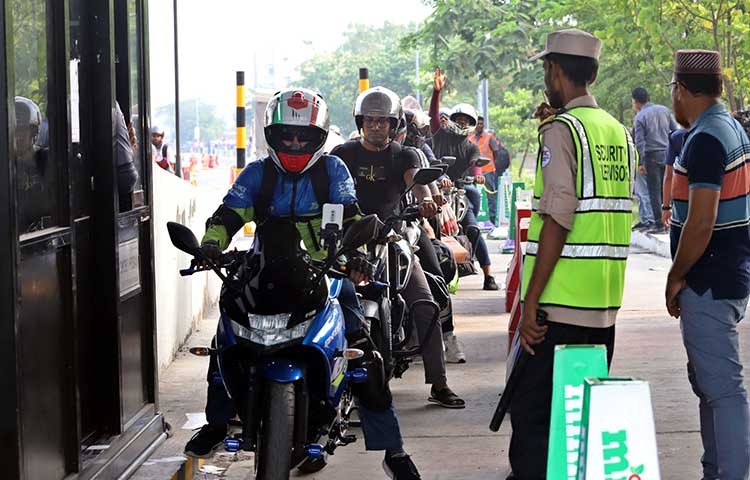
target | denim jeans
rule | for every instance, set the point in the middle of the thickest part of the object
(709, 333)
(380, 428)
(645, 210)
(491, 181)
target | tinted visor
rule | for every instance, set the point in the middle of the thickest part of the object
(296, 139)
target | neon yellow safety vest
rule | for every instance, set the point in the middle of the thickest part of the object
(590, 273)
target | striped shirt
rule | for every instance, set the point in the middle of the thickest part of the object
(716, 156)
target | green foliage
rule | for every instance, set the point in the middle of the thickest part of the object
(336, 74)
(513, 124)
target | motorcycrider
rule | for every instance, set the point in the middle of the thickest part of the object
(283, 364)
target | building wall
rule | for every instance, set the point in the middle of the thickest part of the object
(180, 301)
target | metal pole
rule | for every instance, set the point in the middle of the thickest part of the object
(364, 79)
(177, 161)
(241, 129)
(486, 102)
(416, 79)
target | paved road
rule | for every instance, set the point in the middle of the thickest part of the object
(456, 444)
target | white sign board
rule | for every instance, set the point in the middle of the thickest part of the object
(618, 438)
(130, 267)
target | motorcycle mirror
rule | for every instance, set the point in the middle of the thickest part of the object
(361, 232)
(182, 238)
(425, 176)
(443, 166)
(448, 160)
(481, 162)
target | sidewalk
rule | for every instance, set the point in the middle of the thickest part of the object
(655, 244)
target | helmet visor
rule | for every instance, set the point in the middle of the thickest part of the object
(296, 139)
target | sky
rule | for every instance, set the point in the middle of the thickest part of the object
(220, 37)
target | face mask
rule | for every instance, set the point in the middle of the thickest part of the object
(294, 163)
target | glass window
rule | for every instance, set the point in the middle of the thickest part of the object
(36, 166)
(135, 86)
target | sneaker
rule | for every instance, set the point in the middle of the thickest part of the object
(489, 283)
(657, 230)
(453, 353)
(641, 226)
(206, 441)
(400, 467)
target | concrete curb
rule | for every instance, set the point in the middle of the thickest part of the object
(656, 244)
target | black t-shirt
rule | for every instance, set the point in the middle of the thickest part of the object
(447, 144)
(378, 176)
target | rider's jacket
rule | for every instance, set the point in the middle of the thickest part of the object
(293, 196)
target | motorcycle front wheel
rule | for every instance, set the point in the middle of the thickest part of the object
(274, 459)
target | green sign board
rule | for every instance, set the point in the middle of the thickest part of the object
(573, 363)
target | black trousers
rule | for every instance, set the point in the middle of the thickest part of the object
(430, 263)
(531, 405)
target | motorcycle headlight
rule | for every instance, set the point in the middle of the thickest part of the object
(270, 330)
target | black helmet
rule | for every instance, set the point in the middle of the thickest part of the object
(379, 102)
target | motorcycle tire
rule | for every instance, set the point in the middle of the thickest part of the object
(274, 460)
(382, 337)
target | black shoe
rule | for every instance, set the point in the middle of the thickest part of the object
(400, 467)
(641, 226)
(445, 398)
(489, 283)
(206, 441)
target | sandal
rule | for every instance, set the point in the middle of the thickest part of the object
(446, 398)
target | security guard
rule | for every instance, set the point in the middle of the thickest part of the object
(578, 238)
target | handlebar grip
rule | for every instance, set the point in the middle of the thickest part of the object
(187, 271)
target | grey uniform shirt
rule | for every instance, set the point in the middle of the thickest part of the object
(559, 201)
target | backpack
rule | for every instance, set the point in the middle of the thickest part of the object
(318, 176)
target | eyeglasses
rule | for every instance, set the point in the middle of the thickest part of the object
(376, 121)
(673, 86)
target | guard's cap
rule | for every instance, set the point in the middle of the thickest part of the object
(571, 42)
(697, 62)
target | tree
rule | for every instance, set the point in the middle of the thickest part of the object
(335, 74)
(513, 123)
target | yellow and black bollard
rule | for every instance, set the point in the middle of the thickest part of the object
(241, 128)
(364, 79)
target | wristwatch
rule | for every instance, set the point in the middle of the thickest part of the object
(666, 208)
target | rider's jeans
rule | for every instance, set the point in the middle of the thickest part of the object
(475, 236)
(432, 347)
(380, 428)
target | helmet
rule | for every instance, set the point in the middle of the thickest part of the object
(378, 102)
(400, 134)
(414, 134)
(300, 113)
(28, 115)
(463, 109)
(156, 130)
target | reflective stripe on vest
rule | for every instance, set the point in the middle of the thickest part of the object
(618, 252)
(590, 273)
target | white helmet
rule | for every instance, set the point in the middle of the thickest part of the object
(466, 110)
(301, 114)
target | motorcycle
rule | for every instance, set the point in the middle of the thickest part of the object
(392, 252)
(284, 367)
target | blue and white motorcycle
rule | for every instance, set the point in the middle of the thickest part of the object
(280, 344)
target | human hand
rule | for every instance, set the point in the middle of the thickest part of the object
(665, 216)
(439, 83)
(211, 252)
(446, 183)
(530, 333)
(543, 111)
(439, 199)
(642, 169)
(675, 285)
(360, 270)
(427, 208)
(479, 179)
